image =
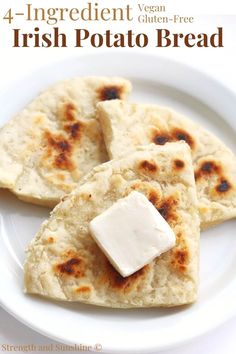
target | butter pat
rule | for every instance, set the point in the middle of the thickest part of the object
(132, 233)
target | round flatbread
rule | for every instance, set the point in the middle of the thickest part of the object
(64, 262)
(56, 139)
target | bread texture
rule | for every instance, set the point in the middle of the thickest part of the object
(56, 139)
(126, 126)
(64, 262)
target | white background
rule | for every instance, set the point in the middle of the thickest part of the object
(219, 63)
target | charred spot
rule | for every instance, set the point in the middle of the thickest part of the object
(181, 256)
(110, 93)
(223, 186)
(180, 259)
(60, 149)
(153, 198)
(73, 267)
(124, 284)
(178, 164)
(69, 267)
(207, 168)
(74, 130)
(179, 134)
(161, 139)
(148, 166)
(69, 111)
(167, 209)
(63, 146)
(164, 210)
(63, 162)
(120, 282)
(83, 289)
(58, 142)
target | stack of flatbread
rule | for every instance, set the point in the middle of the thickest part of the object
(57, 151)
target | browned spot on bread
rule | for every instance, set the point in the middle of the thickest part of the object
(50, 239)
(110, 93)
(153, 197)
(161, 139)
(148, 190)
(63, 162)
(148, 166)
(68, 111)
(83, 289)
(69, 266)
(60, 149)
(223, 187)
(74, 130)
(122, 284)
(180, 259)
(212, 168)
(72, 267)
(178, 164)
(207, 168)
(58, 143)
(180, 134)
(63, 145)
(168, 209)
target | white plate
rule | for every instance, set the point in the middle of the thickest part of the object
(155, 80)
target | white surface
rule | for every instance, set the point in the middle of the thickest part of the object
(132, 233)
(220, 341)
(217, 266)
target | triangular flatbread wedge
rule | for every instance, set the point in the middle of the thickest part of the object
(125, 126)
(56, 139)
(64, 262)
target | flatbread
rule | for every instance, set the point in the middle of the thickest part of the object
(56, 139)
(64, 262)
(125, 126)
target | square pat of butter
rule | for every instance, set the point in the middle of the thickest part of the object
(131, 233)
